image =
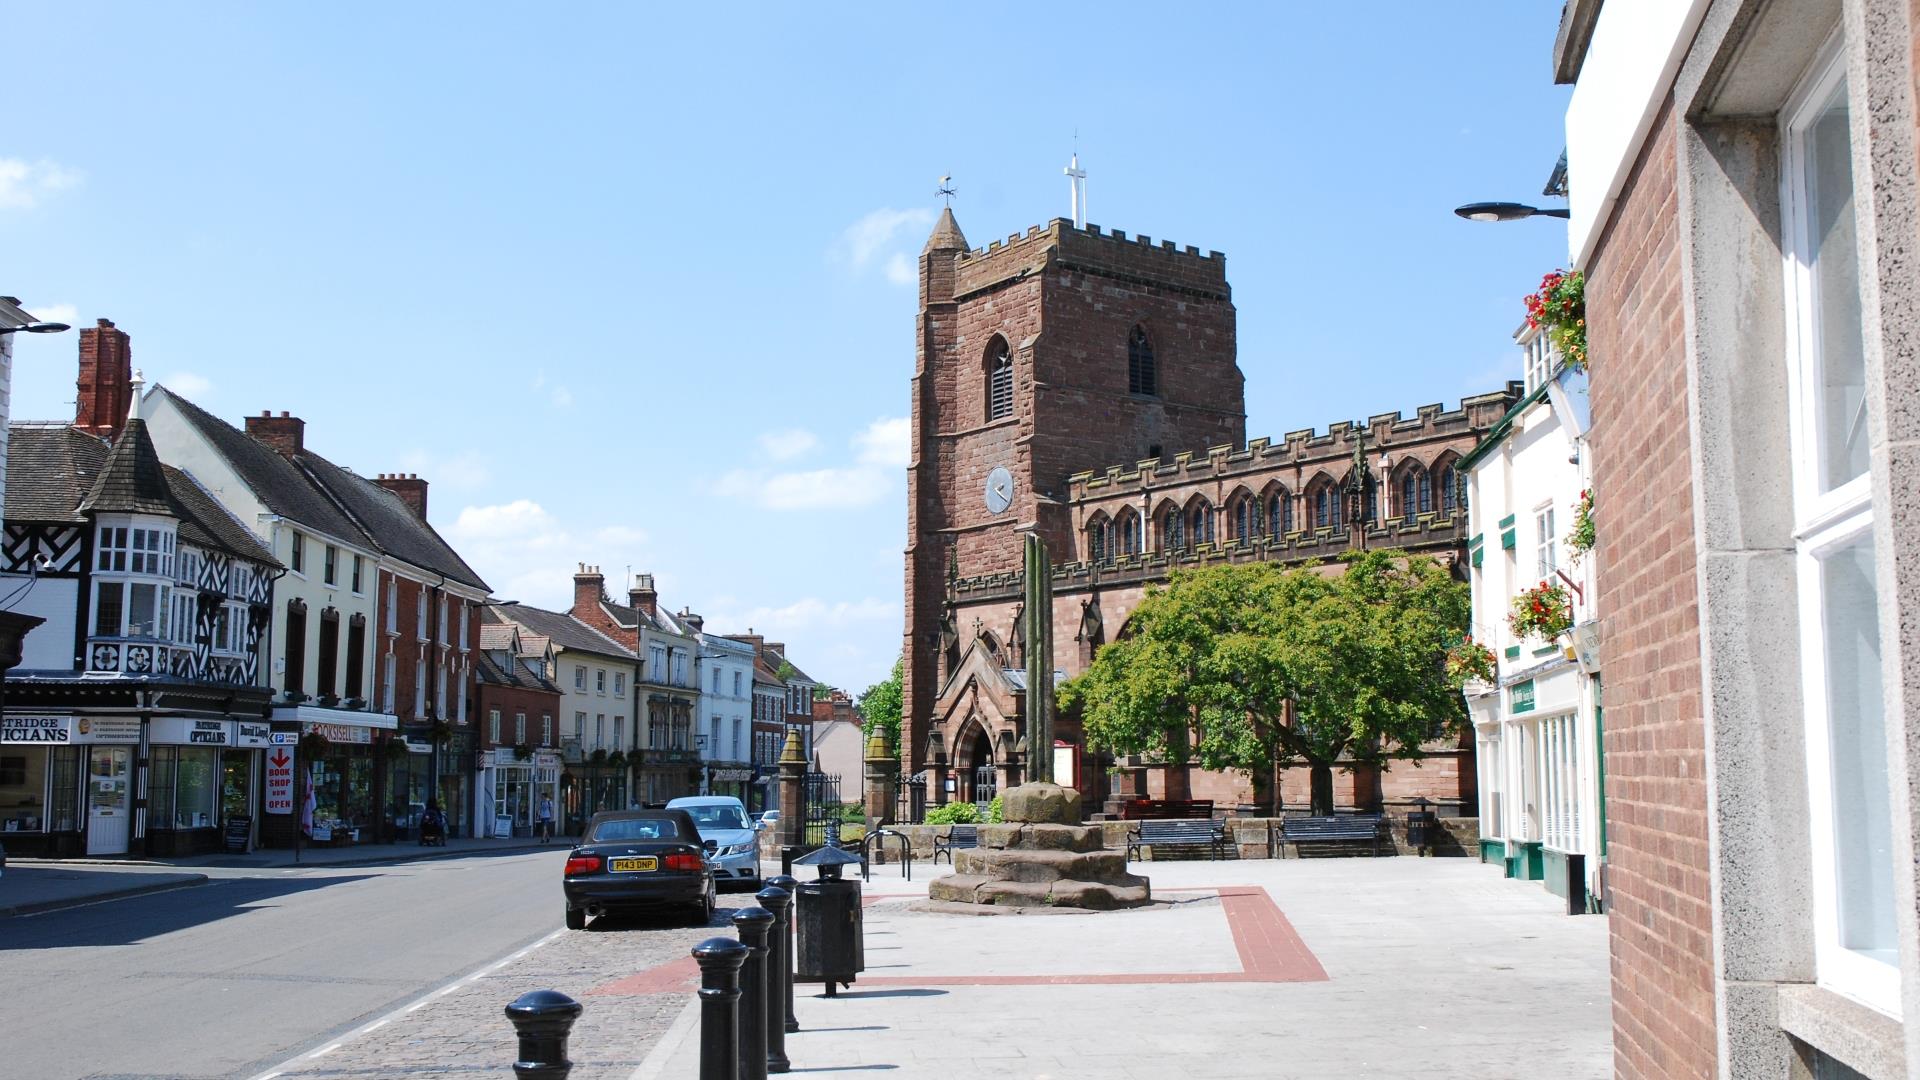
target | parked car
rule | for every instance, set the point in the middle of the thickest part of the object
(723, 823)
(637, 859)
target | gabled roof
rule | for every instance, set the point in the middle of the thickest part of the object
(661, 619)
(317, 493)
(565, 631)
(52, 470)
(779, 658)
(131, 481)
(499, 637)
(520, 676)
(278, 483)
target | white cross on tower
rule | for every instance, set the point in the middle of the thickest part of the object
(1077, 179)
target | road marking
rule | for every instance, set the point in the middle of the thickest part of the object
(413, 1006)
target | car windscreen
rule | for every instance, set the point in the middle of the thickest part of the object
(634, 829)
(718, 817)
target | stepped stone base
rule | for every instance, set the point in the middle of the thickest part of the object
(1042, 857)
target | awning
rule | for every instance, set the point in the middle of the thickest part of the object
(318, 714)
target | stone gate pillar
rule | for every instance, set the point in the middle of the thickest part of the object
(937, 770)
(883, 780)
(793, 799)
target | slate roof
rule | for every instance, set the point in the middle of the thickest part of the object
(52, 470)
(779, 657)
(317, 493)
(496, 637)
(131, 481)
(565, 631)
(662, 620)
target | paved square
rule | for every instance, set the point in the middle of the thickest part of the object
(1428, 968)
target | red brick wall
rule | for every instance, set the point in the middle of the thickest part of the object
(1661, 924)
(415, 662)
(510, 700)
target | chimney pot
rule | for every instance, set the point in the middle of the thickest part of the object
(411, 489)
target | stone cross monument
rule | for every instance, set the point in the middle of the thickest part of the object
(1039, 633)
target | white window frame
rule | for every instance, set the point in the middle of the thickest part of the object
(493, 726)
(330, 566)
(619, 684)
(1546, 548)
(420, 615)
(1824, 522)
(580, 677)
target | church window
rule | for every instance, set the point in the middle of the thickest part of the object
(1327, 511)
(1280, 514)
(1099, 542)
(1140, 371)
(1240, 523)
(1172, 533)
(1202, 530)
(1449, 492)
(999, 381)
(1416, 493)
(1127, 534)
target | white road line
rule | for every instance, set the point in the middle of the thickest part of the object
(413, 1006)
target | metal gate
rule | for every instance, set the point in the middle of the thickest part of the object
(986, 784)
(820, 810)
(911, 807)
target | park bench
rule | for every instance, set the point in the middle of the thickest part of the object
(1341, 829)
(1158, 809)
(1168, 832)
(958, 838)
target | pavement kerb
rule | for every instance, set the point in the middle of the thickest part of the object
(371, 860)
(181, 881)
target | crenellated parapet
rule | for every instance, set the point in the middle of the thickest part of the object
(1090, 249)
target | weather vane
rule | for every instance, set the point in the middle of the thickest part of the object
(945, 190)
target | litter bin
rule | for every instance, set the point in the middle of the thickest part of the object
(831, 944)
(1423, 828)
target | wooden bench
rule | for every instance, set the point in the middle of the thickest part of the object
(1339, 829)
(1165, 809)
(1167, 831)
(958, 838)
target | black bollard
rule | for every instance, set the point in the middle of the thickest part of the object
(753, 924)
(786, 883)
(720, 959)
(777, 900)
(542, 1019)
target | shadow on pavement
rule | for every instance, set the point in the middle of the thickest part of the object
(884, 993)
(666, 919)
(137, 918)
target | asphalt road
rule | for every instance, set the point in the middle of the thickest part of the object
(228, 978)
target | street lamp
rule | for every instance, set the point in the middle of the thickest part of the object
(1507, 211)
(14, 319)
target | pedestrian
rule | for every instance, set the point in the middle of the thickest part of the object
(546, 818)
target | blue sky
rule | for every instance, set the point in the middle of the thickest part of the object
(632, 287)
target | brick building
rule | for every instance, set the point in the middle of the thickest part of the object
(517, 710)
(666, 694)
(1743, 207)
(1084, 385)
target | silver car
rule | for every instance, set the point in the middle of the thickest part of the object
(723, 820)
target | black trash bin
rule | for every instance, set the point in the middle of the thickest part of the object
(1423, 828)
(831, 943)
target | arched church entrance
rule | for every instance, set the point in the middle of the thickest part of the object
(976, 780)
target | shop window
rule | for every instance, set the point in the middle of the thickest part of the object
(23, 787)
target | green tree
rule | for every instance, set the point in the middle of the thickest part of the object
(1243, 666)
(880, 704)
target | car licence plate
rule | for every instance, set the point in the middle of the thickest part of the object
(628, 866)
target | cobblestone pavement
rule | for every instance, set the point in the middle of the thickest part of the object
(462, 1031)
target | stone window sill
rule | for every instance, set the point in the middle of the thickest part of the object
(1863, 1038)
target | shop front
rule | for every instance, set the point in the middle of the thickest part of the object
(408, 783)
(342, 759)
(203, 777)
(514, 787)
(41, 795)
(453, 763)
(729, 778)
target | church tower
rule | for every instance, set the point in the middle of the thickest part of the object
(1059, 351)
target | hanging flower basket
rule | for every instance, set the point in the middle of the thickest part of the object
(617, 759)
(396, 748)
(522, 752)
(1580, 540)
(1559, 309)
(1544, 611)
(598, 757)
(313, 746)
(441, 732)
(1470, 661)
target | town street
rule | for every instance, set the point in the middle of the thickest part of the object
(233, 976)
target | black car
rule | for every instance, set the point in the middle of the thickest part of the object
(634, 859)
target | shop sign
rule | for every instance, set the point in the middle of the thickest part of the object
(181, 731)
(279, 781)
(285, 738)
(106, 729)
(252, 733)
(342, 733)
(1520, 697)
(36, 729)
(732, 776)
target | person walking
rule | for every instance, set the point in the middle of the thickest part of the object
(546, 818)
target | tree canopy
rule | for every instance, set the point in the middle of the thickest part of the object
(880, 704)
(1241, 666)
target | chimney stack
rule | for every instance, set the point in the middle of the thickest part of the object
(285, 433)
(411, 489)
(687, 616)
(106, 378)
(642, 596)
(589, 588)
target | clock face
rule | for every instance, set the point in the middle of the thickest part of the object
(999, 490)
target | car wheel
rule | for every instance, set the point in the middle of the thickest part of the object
(576, 918)
(707, 905)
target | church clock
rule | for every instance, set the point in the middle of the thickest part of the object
(999, 490)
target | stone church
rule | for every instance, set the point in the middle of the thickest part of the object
(1083, 384)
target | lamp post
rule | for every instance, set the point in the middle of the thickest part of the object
(13, 626)
(1507, 211)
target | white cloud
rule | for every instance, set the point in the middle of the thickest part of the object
(901, 271)
(885, 443)
(618, 536)
(24, 183)
(791, 443)
(884, 238)
(526, 553)
(561, 397)
(65, 313)
(186, 383)
(805, 616)
(466, 471)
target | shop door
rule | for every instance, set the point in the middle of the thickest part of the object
(108, 813)
(236, 793)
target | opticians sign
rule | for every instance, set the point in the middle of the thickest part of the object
(36, 729)
(181, 731)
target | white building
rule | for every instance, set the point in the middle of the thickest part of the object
(725, 675)
(1536, 725)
